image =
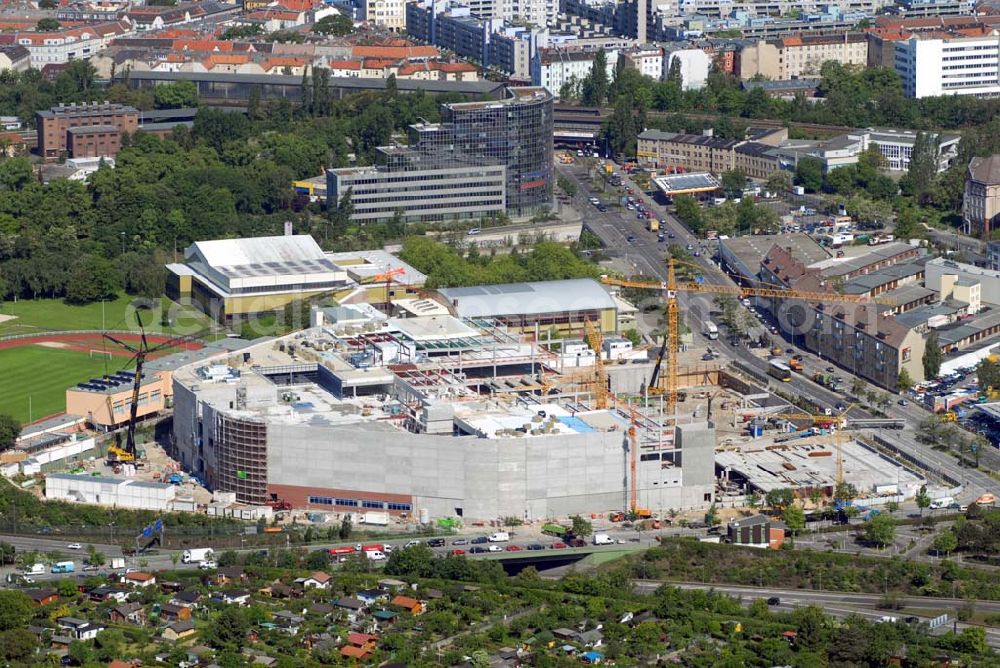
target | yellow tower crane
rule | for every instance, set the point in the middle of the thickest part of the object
(672, 287)
(596, 341)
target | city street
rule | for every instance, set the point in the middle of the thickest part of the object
(648, 257)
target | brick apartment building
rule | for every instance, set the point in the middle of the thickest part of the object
(84, 130)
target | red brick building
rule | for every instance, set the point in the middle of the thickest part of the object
(84, 130)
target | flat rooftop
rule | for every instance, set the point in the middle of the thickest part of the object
(364, 266)
(530, 421)
(679, 184)
(579, 294)
(812, 462)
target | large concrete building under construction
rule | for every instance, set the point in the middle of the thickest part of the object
(428, 415)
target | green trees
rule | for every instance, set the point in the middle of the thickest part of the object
(794, 517)
(228, 558)
(242, 32)
(337, 25)
(880, 529)
(94, 278)
(581, 527)
(844, 491)
(932, 356)
(779, 182)
(809, 174)
(918, 182)
(566, 185)
(987, 373)
(733, 182)
(945, 542)
(689, 212)
(17, 646)
(779, 499)
(922, 499)
(217, 127)
(10, 429)
(229, 628)
(594, 88)
(94, 556)
(445, 267)
(414, 561)
(904, 382)
(176, 95)
(622, 129)
(47, 25)
(15, 609)
(674, 75)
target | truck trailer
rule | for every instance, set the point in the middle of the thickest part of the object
(197, 554)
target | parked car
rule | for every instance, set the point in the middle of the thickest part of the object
(204, 565)
(514, 548)
(435, 542)
(559, 546)
(479, 540)
(536, 546)
(478, 549)
(461, 541)
(74, 546)
(774, 600)
(495, 548)
(457, 553)
(904, 402)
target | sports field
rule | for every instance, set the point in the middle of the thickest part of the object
(31, 316)
(42, 375)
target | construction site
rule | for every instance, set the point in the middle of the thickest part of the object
(416, 411)
(498, 401)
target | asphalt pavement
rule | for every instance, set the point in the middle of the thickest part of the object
(615, 227)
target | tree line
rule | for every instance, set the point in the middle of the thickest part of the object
(229, 175)
(446, 266)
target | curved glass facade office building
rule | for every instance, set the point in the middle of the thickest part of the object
(515, 132)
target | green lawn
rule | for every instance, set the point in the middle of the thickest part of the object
(43, 374)
(44, 315)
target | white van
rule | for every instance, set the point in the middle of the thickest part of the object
(499, 537)
(35, 569)
(937, 504)
(603, 539)
(375, 555)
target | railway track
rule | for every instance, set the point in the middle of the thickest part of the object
(593, 117)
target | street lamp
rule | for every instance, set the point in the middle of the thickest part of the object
(123, 243)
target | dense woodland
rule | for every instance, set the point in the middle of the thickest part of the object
(229, 175)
